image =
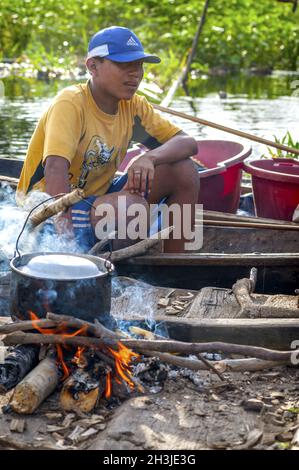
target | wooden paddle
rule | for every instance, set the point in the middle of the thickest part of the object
(246, 135)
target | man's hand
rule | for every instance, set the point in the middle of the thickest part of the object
(141, 174)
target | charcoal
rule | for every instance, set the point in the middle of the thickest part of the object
(21, 360)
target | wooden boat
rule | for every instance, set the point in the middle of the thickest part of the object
(228, 253)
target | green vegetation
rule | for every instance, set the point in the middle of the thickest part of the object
(288, 140)
(237, 34)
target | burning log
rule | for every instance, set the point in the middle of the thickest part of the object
(35, 387)
(79, 392)
(62, 204)
(96, 329)
(32, 338)
(26, 325)
(16, 365)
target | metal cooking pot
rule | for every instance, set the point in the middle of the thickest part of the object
(69, 284)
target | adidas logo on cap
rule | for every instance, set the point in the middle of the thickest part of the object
(131, 42)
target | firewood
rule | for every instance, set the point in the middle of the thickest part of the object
(16, 365)
(98, 247)
(226, 365)
(139, 248)
(194, 348)
(32, 338)
(96, 329)
(147, 345)
(79, 392)
(62, 204)
(35, 387)
(26, 325)
(187, 363)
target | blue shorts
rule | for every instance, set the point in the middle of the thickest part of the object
(83, 230)
(84, 234)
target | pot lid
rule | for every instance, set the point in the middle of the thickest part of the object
(60, 266)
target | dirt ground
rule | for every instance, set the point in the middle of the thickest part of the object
(186, 411)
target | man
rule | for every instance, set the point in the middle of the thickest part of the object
(84, 135)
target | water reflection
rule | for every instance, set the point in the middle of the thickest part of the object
(261, 105)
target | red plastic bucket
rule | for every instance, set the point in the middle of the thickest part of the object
(275, 185)
(220, 182)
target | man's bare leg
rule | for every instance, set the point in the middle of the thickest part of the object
(179, 182)
(113, 200)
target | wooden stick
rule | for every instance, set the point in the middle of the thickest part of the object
(241, 224)
(62, 204)
(232, 365)
(194, 348)
(33, 338)
(157, 345)
(35, 387)
(202, 364)
(181, 80)
(139, 248)
(220, 127)
(26, 325)
(96, 329)
(98, 247)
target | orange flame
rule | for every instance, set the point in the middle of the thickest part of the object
(77, 359)
(48, 331)
(108, 385)
(123, 359)
(65, 369)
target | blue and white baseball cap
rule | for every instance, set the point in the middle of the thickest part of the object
(119, 45)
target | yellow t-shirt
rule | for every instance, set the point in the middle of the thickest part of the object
(92, 141)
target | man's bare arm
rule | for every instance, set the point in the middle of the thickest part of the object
(57, 181)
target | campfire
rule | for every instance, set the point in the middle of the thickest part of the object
(87, 363)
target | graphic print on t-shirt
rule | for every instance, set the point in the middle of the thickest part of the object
(96, 155)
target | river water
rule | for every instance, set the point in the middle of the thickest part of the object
(262, 105)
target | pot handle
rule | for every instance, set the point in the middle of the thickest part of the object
(108, 264)
(17, 251)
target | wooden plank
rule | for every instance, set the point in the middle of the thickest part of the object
(218, 259)
(243, 240)
(227, 216)
(283, 278)
(270, 333)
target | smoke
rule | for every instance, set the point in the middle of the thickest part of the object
(135, 302)
(12, 218)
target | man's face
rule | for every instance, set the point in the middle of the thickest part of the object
(120, 80)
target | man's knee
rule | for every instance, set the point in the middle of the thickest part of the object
(115, 206)
(185, 174)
